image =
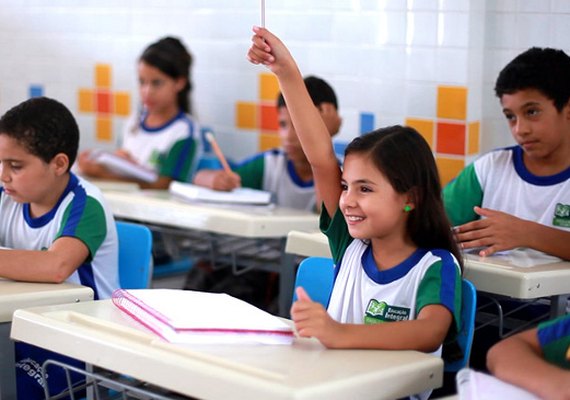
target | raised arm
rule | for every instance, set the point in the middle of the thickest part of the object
(315, 138)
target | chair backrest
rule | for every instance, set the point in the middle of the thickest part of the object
(316, 276)
(135, 255)
(465, 335)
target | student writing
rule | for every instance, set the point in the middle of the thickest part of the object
(519, 196)
(398, 277)
(163, 137)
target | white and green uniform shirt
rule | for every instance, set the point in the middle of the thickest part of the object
(273, 172)
(554, 339)
(172, 149)
(500, 181)
(80, 213)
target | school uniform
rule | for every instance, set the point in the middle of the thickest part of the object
(554, 339)
(362, 294)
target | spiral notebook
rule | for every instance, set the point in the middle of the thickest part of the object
(237, 196)
(186, 316)
(474, 385)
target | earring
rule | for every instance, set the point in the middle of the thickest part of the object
(407, 208)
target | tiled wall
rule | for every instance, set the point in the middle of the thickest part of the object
(428, 63)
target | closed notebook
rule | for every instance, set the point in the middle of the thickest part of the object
(238, 195)
(123, 167)
(474, 385)
(186, 316)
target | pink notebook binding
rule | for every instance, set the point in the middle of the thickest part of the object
(186, 316)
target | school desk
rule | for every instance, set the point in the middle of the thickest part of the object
(15, 295)
(114, 186)
(104, 336)
(495, 275)
(217, 222)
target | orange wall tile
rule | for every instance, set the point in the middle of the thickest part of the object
(268, 88)
(452, 102)
(103, 75)
(246, 115)
(424, 126)
(450, 138)
(268, 141)
(104, 129)
(269, 121)
(448, 168)
(122, 103)
(104, 101)
(473, 142)
(86, 100)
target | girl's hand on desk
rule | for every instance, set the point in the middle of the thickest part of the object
(497, 231)
(217, 179)
(312, 320)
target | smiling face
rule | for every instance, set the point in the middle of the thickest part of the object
(369, 203)
(25, 177)
(537, 126)
(158, 91)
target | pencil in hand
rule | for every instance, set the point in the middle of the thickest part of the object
(218, 152)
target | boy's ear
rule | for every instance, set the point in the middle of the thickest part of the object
(61, 163)
(180, 83)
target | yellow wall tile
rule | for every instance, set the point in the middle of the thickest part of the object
(103, 76)
(448, 168)
(424, 126)
(122, 103)
(268, 141)
(452, 102)
(246, 115)
(268, 88)
(104, 129)
(473, 143)
(86, 100)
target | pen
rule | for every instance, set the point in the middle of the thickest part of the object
(218, 151)
(263, 13)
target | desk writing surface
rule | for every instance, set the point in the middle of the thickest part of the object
(14, 295)
(114, 186)
(102, 335)
(160, 207)
(308, 244)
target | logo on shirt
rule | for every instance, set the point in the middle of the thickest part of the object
(561, 215)
(380, 311)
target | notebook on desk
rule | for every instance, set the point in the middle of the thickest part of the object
(123, 167)
(192, 317)
(236, 196)
(474, 385)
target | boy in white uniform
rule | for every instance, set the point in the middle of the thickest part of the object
(56, 224)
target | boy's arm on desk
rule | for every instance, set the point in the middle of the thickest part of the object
(54, 265)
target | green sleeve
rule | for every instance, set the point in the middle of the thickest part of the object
(461, 195)
(180, 161)
(91, 228)
(554, 338)
(336, 231)
(251, 172)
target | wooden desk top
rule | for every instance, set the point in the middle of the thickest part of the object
(104, 336)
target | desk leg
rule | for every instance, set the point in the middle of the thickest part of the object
(7, 368)
(558, 305)
(286, 283)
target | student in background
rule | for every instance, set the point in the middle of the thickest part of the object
(56, 224)
(398, 278)
(163, 136)
(284, 172)
(537, 360)
(519, 196)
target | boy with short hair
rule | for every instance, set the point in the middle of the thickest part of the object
(56, 224)
(284, 172)
(537, 360)
(520, 196)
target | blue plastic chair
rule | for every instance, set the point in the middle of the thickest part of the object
(316, 276)
(135, 255)
(465, 335)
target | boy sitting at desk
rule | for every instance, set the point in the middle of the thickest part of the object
(537, 360)
(56, 224)
(284, 172)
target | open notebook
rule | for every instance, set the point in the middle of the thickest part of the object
(123, 167)
(238, 196)
(186, 316)
(474, 385)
